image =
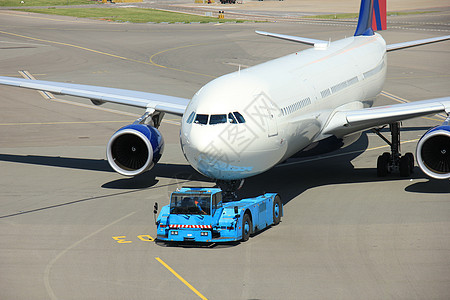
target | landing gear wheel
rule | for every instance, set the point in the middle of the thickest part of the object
(246, 227)
(393, 161)
(411, 160)
(382, 164)
(276, 210)
(405, 166)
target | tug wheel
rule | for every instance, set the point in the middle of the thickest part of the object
(246, 227)
(277, 210)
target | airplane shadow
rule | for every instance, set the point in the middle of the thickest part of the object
(146, 180)
(289, 180)
(58, 161)
(295, 177)
(179, 173)
(432, 186)
(292, 181)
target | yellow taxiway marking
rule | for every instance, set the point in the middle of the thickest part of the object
(180, 278)
(385, 146)
(45, 94)
(168, 121)
(76, 46)
(150, 62)
(79, 122)
(387, 95)
(90, 106)
(146, 238)
(11, 75)
(394, 97)
(48, 287)
(403, 100)
(26, 15)
(341, 154)
(48, 96)
(418, 77)
(434, 119)
(122, 239)
(175, 69)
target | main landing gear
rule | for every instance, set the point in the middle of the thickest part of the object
(229, 188)
(394, 161)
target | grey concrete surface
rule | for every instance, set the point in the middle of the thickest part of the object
(71, 228)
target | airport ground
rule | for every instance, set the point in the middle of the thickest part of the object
(71, 228)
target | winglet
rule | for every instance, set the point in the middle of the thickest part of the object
(372, 17)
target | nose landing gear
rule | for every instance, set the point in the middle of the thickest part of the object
(394, 161)
(229, 188)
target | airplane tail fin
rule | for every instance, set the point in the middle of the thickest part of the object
(372, 17)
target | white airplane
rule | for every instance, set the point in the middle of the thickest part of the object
(244, 123)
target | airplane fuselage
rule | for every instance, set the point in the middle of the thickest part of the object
(307, 103)
(244, 123)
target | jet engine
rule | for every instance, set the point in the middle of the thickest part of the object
(134, 149)
(433, 152)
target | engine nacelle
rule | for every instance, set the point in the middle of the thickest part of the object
(433, 152)
(134, 149)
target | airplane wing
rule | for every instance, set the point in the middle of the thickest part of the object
(346, 122)
(409, 44)
(391, 47)
(99, 95)
(298, 39)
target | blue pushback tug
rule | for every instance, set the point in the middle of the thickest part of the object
(200, 215)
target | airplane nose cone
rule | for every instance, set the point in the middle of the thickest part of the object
(229, 151)
(208, 152)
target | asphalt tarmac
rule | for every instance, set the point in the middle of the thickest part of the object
(71, 228)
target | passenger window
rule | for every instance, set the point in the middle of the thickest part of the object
(239, 117)
(191, 117)
(217, 119)
(231, 119)
(201, 119)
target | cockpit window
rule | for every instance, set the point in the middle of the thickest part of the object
(201, 119)
(239, 117)
(191, 117)
(217, 119)
(231, 119)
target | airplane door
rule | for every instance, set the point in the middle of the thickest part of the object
(272, 127)
(263, 113)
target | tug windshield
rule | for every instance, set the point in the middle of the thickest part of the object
(190, 204)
